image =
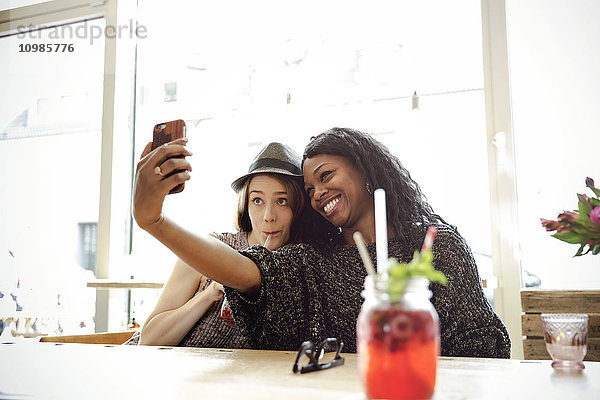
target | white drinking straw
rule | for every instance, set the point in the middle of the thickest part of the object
(381, 231)
(267, 240)
(364, 253)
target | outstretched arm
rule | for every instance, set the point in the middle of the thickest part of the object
(206, 254)
(180, 305)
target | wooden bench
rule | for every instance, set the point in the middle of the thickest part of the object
(92, 338)
(537, 301)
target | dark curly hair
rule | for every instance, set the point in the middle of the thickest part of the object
(409, 214)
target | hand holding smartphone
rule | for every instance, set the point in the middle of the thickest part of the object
(166, 132)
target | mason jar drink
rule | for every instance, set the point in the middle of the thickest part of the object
(398, 342)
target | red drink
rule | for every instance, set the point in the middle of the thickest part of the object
(398, 345)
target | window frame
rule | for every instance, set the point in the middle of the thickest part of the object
(117, 131)
(501, 169)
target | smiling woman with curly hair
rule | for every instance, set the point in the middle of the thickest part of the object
(313, 291)
(408, 212)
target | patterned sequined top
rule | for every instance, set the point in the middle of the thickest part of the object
(209, 330)
(311, 294)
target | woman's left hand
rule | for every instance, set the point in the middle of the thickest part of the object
(152, 183)
(215, 291)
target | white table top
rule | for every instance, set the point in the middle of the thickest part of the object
(82, 371)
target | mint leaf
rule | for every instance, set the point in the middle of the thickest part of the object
(400, 273)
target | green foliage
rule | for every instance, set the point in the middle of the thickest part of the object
(400, 273)
(577, 226)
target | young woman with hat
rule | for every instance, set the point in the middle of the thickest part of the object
(270, 212)
(310, 292)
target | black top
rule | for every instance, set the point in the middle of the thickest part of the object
(310, 294)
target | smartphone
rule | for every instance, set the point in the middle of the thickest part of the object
(166, 132)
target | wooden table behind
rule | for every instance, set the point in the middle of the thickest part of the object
(82, 371)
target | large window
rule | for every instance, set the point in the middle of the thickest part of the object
(241, 79)
(66, 158)
(50, 141)
(242, 74)
(555, 59)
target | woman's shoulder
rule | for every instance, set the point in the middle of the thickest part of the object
(296, 250)
(237, 240)
(448, 236)
(450, 249)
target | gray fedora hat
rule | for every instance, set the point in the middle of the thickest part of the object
(273, 158)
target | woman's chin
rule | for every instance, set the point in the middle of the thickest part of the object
(335, 220)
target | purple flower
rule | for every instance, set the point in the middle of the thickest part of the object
(573, 227)
(589, 182)
(549, 224)
(568, 216)
(595, 215)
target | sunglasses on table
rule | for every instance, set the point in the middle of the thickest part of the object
(327, 355)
